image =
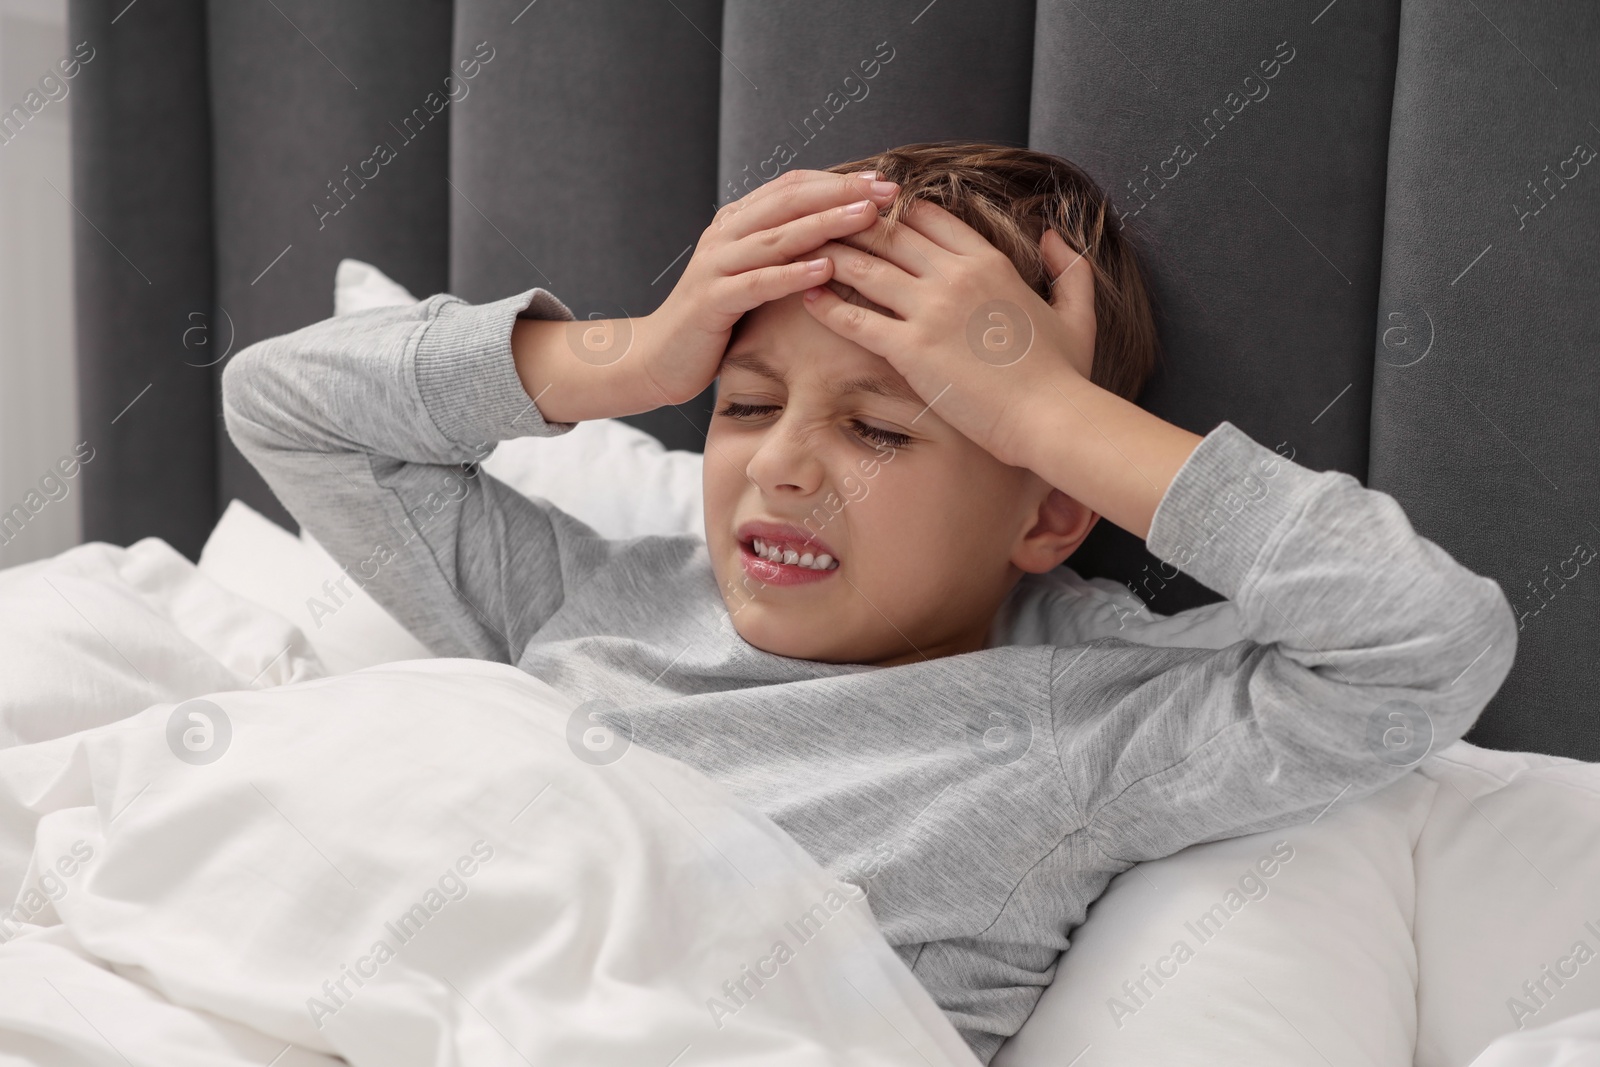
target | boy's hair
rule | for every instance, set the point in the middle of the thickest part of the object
(1009, 195)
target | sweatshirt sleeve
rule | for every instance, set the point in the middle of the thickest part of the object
(1366, 647)
(369, 428)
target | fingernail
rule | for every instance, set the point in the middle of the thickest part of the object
(812, 293)
(816, 264)
(858, 207)
(867, 175)
(883, 188)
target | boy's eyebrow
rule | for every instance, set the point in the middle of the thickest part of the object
(866, 383)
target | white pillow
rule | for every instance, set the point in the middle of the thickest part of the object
(99, 632)
(1312, 964)
(1571, 1042)
(358, 286)
(1508, 884)
(294, 577)
(616, 478)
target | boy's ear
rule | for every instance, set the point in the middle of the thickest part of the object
(1061, 525)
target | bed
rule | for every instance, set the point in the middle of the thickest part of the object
(1364, 254)
(234, 821)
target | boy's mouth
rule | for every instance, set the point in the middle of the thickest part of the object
(781, 554)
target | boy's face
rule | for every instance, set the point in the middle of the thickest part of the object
(928, 531)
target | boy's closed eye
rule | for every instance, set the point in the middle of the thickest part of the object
(732, 409)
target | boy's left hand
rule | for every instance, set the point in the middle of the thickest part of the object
(972, 338)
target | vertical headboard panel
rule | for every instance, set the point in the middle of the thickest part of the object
(810, 85)
(584, 160)
(1245, 148)
(331, 139)
(141, 193)
(1486, 405)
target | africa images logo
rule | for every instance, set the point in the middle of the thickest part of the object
(198, 732)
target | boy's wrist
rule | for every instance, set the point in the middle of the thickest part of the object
(578, 370)
(1102, 450)
(661, 351)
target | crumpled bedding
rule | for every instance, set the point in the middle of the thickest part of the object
(425, 863)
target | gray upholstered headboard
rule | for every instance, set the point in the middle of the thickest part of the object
(1371, 224)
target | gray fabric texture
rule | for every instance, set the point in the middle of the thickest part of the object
(1486, 395)
(142, 259)
(978, 859)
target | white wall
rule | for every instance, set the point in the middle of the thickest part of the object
(38, 401)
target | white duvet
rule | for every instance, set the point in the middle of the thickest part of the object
(420, 864)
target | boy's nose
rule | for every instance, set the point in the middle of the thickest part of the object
(785, 462)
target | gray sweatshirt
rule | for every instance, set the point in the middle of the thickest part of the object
(982, 801)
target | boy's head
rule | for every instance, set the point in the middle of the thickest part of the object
(927, 530)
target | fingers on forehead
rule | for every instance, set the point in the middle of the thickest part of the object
(851, 295)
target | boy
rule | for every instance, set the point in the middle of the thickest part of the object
(906, 430)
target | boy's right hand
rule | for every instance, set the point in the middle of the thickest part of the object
(746, 257)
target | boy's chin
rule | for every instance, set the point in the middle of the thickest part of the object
(771, 636)
(830, 648)
(776, 638)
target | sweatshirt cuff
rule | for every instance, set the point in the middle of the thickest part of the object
(1227, 507)
(467, 377)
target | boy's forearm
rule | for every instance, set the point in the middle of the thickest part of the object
(1361, 647)
(361, 425)
(1104, 451)
(586, 369)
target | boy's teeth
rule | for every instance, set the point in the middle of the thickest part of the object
(778, 554)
